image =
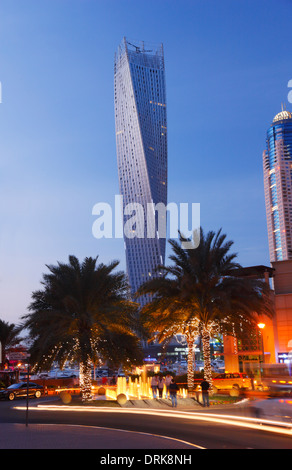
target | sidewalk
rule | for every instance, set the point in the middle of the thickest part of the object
(156, 403)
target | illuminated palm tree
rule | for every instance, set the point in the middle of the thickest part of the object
(202, 293)
(80, 307)
(166, 316)
(9, 336)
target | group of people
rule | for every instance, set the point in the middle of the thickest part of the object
(171, 388)
(158, 382)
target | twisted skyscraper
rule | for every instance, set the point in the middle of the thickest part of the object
(141, 142)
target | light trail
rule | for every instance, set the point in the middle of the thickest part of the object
(278, 427)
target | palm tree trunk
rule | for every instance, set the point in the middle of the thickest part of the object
(207, 357)
(190, 341)
(85, 380)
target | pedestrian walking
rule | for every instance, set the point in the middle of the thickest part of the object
(205, 392)
(168, 380)
(161, 382)
(173, 389)
(154, 385)
(251, 375)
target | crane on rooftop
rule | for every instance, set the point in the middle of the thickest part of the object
(138, 48)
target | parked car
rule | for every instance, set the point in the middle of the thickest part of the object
(227, 381)
(19, 390)
(66, 375)
(44, 375)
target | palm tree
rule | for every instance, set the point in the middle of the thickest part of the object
(120, 349)
(165, 316)
(202, 293)
(9, 336)
(73, 315)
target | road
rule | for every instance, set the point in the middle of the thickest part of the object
(200, 433)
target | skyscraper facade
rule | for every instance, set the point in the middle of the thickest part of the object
(141, 143)
(277, 164)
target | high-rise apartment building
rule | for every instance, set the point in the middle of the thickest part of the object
(277, 163)
(141, 142)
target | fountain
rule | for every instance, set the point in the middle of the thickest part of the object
(137, 389)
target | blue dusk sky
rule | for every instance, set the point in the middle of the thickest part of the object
(228, 64)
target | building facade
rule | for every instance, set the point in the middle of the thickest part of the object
(277, 165)
(141, 143)
(282, 281)
(261, 345)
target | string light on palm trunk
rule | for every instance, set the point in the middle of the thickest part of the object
(234, 340)
(85, 380)
(207, 357)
